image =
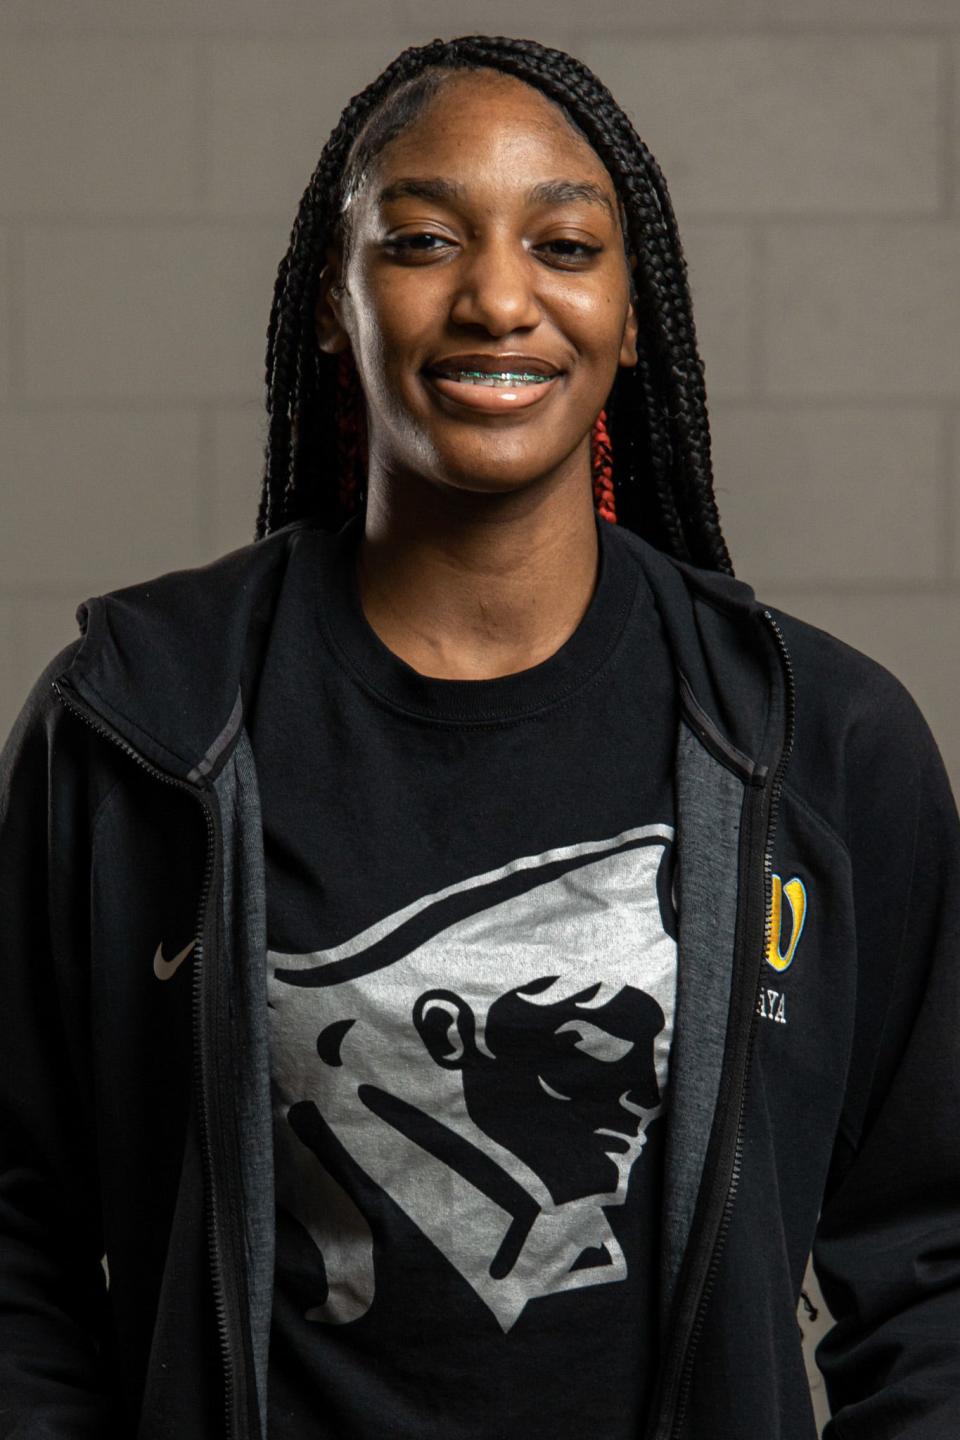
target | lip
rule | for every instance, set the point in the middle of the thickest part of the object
(492, 399)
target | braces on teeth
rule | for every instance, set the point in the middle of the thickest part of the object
(500, 377)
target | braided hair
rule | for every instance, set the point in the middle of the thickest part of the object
(650, 445)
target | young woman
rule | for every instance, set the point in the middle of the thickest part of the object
(461, 950)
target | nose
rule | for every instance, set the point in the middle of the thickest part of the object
(496, 289)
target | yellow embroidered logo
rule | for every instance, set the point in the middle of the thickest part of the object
(796, 894)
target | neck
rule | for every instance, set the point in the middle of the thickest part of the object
(469, 586)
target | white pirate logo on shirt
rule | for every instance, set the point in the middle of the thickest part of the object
(490, 1057)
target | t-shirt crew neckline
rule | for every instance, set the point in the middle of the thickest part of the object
(355, 643)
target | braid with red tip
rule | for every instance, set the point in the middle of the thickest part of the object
(601, 465)
(351, 462)
(650, 445)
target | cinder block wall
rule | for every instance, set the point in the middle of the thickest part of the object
(151, 161)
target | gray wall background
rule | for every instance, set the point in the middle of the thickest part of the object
(151, 161)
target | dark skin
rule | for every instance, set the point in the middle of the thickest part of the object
(479, 554)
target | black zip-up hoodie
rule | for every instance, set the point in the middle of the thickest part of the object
(815, 1080)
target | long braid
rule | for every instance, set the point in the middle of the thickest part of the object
(661, 453)
(653, 435)
(350, 457)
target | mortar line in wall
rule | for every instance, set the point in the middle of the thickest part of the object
(8, 633)
(202, 119)
(329, 34)
(16, 335)
(205, 501)
(162, 220)
(949, 536)
(947, 115)
(133, 404)
(836, 400)
(694, 28)
(120, 404)
(873, 587)
(789, 404)
(923, 30)
(757, 290)
(196, 218)
(797, 218)
(63, 591)
(59, 592)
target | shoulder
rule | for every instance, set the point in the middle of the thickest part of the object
(179, 633)
(843, 687)
(862, 743)
(39, 711)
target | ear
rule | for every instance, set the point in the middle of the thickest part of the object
(447, 1028)
(328, 313)
(628, 342)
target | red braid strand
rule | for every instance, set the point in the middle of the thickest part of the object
(601, 458)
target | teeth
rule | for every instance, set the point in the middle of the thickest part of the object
(497, 377)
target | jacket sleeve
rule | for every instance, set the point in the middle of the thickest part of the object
(53, 1293)
(887, 1252)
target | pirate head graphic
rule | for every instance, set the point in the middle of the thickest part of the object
(490, 1057)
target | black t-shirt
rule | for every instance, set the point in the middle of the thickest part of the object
(471, 979)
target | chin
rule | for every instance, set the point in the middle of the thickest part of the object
(493, 473)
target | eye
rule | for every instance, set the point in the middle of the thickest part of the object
(599, 1044)
(412, 244)
(571, 250)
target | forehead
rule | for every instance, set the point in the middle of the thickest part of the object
(486, 128)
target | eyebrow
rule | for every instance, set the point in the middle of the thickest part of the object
(547, 192)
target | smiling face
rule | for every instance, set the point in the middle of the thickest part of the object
(486, 237)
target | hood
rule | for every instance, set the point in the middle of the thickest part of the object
(171, 662)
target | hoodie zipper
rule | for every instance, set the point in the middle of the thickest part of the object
(224, 1313)
(671, 1425)
(791, 725)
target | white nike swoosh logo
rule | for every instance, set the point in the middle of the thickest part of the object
(163, 969)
